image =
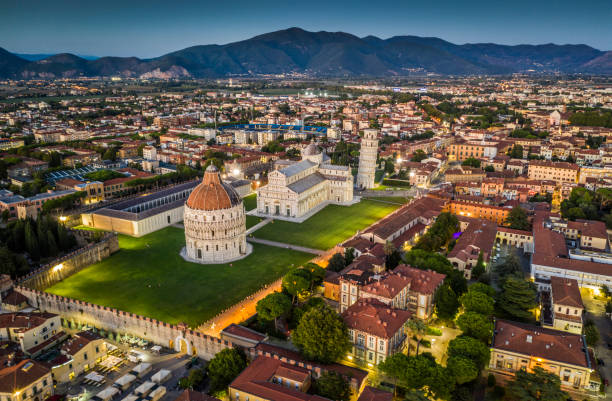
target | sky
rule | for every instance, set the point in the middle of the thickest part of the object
(152, 28)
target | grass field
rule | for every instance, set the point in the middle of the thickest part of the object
(148, 277)
(329, 227)
(252, 220)
(395, 199)
(250, 202)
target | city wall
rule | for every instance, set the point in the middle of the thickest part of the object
(61, 268)
(177, 337)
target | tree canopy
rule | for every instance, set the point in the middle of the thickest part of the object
(225, 367)
(517, 298)
(517, 219)
(322, 335)
(537, 386)
(333, 386)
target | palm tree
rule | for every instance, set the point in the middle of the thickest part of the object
(418, 329)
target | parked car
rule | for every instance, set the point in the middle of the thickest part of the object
(134, 356)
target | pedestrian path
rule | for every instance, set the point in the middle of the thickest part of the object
(286, 246)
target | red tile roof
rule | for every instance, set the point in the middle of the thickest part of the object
(374, 394)
(565, 292)
(376, 318)
(256, 380)
(535, 341)
(15, 378)
(422, 281)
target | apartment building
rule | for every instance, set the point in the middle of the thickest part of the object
(27, 380)
(518, 346)
(35, 332)
(376, 330)
(560, 172)
(77, 355)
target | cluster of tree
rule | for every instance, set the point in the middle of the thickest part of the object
(225, 367)
(419, 372)
(193, 380)
(293, 153)
(439, 234)
(273, 147)
(585, 204)
(183, 173)
(455, 284)
(5, 163)
(471, 162)
(517, 298)
(321, 335)
(345, 154)
(517, 219)
(63, 203)
(333, 386)
(418, 156)
(284, 108)
(594, 142)
(31, 188)
(40, 238)
(547, 197)
(528, 133)
(538, 385)
(591, 333)
(300, 282)
(516, 152)
(594, 118)
(103, 175)
(417, 137)
(338, 261)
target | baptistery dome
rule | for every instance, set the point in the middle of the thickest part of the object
(215, 222)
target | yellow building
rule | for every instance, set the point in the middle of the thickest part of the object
(518, 346)
(78, 355)
(27, 380)
(560, 172)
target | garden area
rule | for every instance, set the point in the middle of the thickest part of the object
(328, 227)
(149, 277)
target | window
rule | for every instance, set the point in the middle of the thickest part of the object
(371, 342)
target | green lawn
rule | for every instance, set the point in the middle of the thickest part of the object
(329, 227)
(252, 220)
(250, 202)
(148, 277)
(395, 199)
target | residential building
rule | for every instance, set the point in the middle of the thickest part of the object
(77, 355)
(26, 380)
(518, 346)
(376, 330)
(560, 172)
(34, 331)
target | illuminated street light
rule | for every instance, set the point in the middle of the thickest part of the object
(63, 218)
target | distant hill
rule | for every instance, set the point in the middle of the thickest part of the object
(36, 57)
(321, 54)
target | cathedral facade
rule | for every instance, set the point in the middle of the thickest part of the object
(297, 189)
(215, 222)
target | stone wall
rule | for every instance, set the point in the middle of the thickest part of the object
(177, 337)
(61, 268)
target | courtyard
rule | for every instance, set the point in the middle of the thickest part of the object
(148, 277)
(330, 226)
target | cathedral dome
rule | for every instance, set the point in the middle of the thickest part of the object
(311, 150)
(212, 193)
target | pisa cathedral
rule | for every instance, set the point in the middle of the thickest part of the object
(297, 190)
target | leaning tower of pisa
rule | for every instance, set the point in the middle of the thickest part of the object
(367, 159)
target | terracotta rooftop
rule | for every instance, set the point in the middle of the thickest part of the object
(565, 292)
(212, 193)
(374, 394)
(388, 286)
(535, 341)
(24, 321)
(256, 380)
(245, 332)
(374, 317)
(191, 395)
(78, 341)
(422, 281)
(16, 377)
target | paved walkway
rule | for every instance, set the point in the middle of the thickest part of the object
(286, 246)
(258, 226)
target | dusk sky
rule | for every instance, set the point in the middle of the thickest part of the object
(155, 27)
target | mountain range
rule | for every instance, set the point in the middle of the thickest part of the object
(321, 54)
